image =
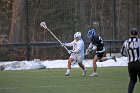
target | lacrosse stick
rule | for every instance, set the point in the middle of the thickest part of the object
(43, 24)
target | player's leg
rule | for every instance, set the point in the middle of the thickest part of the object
(138, 67)
(95, 59)
(133, 77)
(132, 82)
(107, 58)
(80, 63)
(83, 69)
(70, 60)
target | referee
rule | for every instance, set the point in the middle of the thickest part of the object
(131, 48)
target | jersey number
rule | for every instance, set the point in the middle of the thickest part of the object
(133, 45)
(100, 39)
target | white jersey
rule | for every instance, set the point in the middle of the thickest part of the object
(78, 46)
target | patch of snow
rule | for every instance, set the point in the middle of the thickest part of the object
(37, 64)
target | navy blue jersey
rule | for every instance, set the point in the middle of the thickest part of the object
(97, 40)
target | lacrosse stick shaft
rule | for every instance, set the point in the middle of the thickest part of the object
(57, 39)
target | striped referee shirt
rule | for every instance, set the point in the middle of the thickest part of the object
(131, 48)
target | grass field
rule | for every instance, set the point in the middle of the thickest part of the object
(109, 80)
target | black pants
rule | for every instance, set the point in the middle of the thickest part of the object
(134, 71)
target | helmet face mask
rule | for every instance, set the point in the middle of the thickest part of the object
(77, 36)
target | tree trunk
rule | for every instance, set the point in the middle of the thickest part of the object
(82, 16)
(18, 20)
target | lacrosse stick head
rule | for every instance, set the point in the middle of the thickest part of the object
(43, 24)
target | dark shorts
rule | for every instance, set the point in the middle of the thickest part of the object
(134, 70)
(100, 55)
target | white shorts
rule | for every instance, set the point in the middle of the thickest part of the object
(77, 57)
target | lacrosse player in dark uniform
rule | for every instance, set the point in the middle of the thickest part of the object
(131, 48)
(97, 45)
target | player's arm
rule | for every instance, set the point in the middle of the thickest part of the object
(91, 47)
(68, 44)
(123, 49)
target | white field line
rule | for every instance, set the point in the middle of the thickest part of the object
(56, 86)
(33, 76)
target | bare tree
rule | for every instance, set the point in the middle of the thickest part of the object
(82, 16)
(18, 20)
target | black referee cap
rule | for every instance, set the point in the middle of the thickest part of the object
(134, 32)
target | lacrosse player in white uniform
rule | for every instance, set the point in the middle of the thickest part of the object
(77, 54)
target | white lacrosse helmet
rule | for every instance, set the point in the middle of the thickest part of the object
(77, 35)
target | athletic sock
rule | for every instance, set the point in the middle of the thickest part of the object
(68, 70)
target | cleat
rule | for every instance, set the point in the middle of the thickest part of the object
(67, 74)
(114, 58)
(84, 72)
(93, 75)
